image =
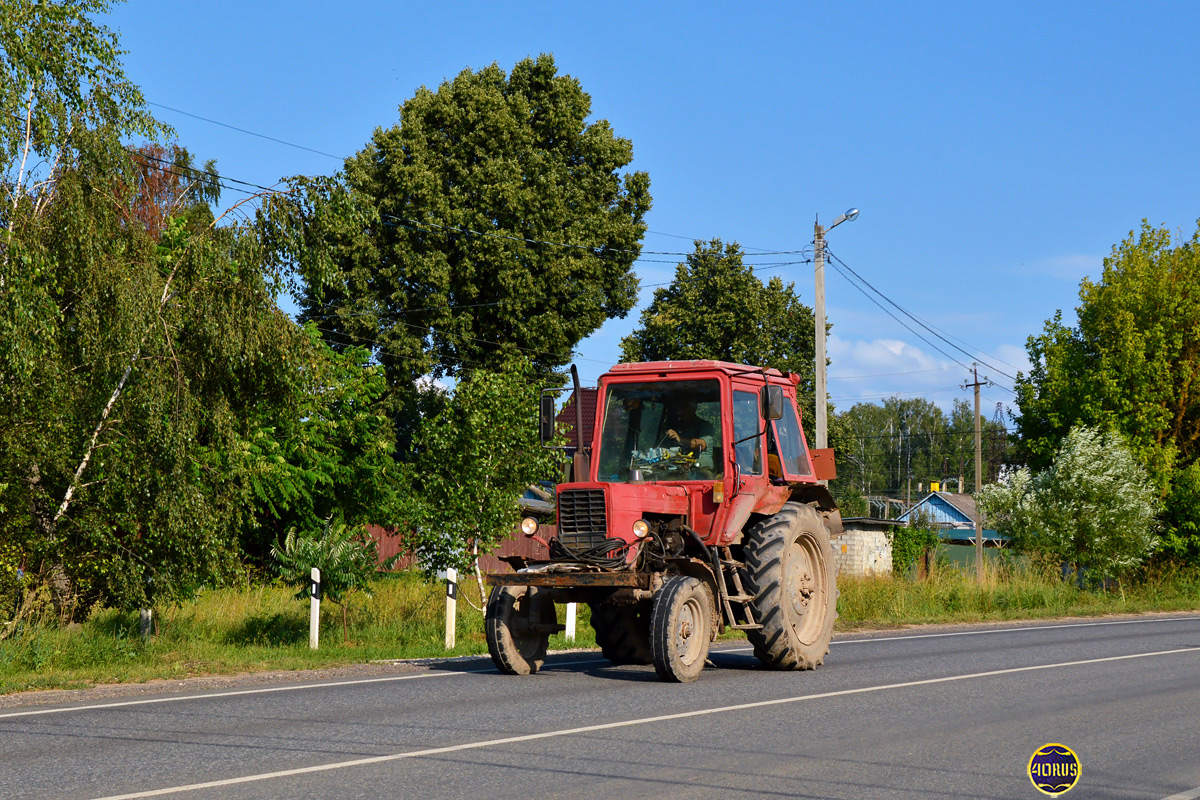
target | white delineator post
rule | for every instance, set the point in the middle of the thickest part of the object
(451, 605)
(314, 608)
(571, 621)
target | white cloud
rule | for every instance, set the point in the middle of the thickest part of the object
(1072, 267)
(869, 370)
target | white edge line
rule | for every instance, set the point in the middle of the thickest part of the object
(433, 751)
(1190, 794)
(271, 689)
(1012, 629)
(868, 639)
(455, 673)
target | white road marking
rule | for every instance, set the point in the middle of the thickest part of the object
(270, 689)
(457, 673)
(433, 751)
(1190, 794)
(1013, 629)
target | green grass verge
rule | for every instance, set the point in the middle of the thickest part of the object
(243, 630)
(951, 595)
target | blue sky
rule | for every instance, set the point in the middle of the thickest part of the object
(997, 151)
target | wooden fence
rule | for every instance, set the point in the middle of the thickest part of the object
(391, 544)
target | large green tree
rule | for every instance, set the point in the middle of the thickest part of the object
(716, 307)
(157, 409)
(492, 222)
(1131, 364)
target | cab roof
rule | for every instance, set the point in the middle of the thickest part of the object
(706, 365)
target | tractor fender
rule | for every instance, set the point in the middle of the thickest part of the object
(819, 497)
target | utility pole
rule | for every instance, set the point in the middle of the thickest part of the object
(822, 401)
(978, 474)
(822, 396)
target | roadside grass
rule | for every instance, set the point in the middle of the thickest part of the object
(229, 631)
(1008, 592)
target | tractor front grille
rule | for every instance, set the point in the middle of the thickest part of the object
(582, 523)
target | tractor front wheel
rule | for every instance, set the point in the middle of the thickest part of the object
(518, 623)
(681, 627)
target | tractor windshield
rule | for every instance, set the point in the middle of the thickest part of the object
(662, 431)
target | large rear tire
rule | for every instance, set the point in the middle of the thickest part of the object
(518, 624)
(681, 627)
(792, 576)
(623, 632)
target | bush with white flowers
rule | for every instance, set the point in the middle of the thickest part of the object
(1092, 511)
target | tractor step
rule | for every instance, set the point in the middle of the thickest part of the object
(747, 626)
(739, 598)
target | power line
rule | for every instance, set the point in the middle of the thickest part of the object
(340, 158)
(868, 395)
(243, 130)
(193, 173)
(886, 374)
(918, 320)
(594, 249)
(893, 316)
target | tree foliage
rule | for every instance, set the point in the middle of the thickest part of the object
(492, 222)
(716, 307)
(169, 185)
(474, 459)
(1093, 509)
(152, 357)
(1131, 364)
(879, 447)
(329, 450)
(157, 409)
(63, 83)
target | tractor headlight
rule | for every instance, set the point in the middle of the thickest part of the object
(529, 526)
(641, 528)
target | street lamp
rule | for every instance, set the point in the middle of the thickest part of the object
(822, 396)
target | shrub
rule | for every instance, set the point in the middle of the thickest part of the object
(909, 543)
(1092, 511)
(346, 555)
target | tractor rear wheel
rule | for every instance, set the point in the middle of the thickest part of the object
(518, 623)
(623, 632)
(791, 574)
(681, 627)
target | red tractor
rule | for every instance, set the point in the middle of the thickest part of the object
(696, 508)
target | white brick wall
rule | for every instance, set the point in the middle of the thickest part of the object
(863, 553)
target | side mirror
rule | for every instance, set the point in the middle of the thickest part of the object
(546, 418)
(770, 402)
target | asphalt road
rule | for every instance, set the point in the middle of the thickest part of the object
(916, 715)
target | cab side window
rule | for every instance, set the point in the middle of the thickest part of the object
(791, 443)
(746, 422)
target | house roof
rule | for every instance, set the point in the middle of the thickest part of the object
(945, 507)
(953, 513)
(566, 417)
